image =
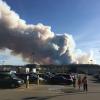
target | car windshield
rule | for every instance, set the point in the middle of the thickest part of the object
(13, 76)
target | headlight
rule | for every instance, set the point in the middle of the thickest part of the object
(19, 81)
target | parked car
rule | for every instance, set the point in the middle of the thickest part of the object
(23, 76)
(32, 77)
(61, 79)
(96, 76)
(68, 78)
(47, 76)
(8, 79)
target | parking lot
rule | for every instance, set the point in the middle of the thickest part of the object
(52, 92)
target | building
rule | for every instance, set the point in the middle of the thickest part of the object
(79, 68)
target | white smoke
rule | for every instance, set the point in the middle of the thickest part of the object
(37, 43)
(85, 58)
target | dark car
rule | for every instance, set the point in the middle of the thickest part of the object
(8, 79)
(32, 77)
(61, 79)
(69, 79)
(47, 76)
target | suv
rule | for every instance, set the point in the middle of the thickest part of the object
(8, 79)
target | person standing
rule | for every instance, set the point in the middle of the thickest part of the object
(85, 84)
(79, 82)
(74, 81)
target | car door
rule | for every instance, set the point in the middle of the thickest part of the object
(2, 80)
(8, 80)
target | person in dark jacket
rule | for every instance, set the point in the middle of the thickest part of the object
(85, 84)
(74, 81)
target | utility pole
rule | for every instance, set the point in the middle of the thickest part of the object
(37, 70)
(27, 77)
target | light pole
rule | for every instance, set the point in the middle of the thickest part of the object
(27, 78)
(37, 70)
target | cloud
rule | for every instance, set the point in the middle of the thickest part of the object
(35, 43)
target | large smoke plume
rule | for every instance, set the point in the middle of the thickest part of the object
(36, 43)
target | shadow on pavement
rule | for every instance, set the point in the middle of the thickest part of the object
(76, 91)
(41, 98)
(63, 93)
(50, 97)
(2, 88)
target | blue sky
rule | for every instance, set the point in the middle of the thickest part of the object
(81, 18)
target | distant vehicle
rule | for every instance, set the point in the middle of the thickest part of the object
(45, 77)
(97, 75)
(61, 79)
(68, 78)
(48, 75)
(32, 77)
(8, 79)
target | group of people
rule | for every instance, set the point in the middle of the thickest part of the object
(81, 82)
